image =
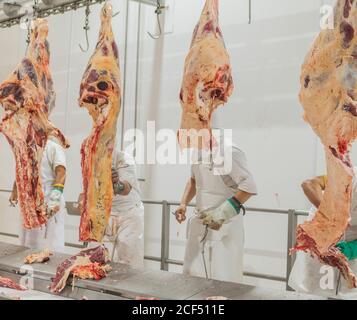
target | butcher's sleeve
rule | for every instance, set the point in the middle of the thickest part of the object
(126, 167)
(241, 174)
(57, 155)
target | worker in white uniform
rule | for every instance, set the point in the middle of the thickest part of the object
(124, 236)
(215, 245)
(53, 176)
(308, 275)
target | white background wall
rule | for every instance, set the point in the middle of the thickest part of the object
(264, 111)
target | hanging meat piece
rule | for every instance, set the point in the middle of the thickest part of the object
(329, 97)
(8, 283)
(207, 80)
(87, 264)
(100, 94)
(27, 97)
(38, 257)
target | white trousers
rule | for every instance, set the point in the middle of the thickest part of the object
(223, 251)
(124, 237)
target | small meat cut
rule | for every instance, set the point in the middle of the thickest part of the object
(27, 97)
(207, 80)
(39, 257)
(329, 97)
(88, 264)
(100, 94)
(8, 283)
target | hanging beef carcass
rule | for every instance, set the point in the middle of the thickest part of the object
(207, 81)
(100, 94)
(88, 264)
(329, 97)
(27, 97)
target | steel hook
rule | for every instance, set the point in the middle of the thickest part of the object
(158, 11)
(86, 28)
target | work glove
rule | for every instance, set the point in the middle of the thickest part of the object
(349, 249)
(54, 202)
(120, 187)
(215, 218)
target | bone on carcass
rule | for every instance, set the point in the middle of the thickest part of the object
(100, 93)
(27, 97)
(8, 283)
(87, 264)
(38, 257)
(207, 80)
(329, 97)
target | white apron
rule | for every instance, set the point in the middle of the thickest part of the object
(223, 249)
(51, 235)
(124, 236)
(308, 275)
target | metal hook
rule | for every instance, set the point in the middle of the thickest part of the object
(86, 28)
(158, 11)
(250, 12)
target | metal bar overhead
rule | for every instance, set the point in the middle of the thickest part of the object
(58, 7)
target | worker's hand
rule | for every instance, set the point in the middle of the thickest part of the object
(180, 213)
(349, 249)
(13, 198)
(215, 218)
(122, 188)
(54, 202)
(80, 201)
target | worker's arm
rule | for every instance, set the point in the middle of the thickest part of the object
(120, 187)
(188, 195)
(313, 189)
(243, 196)
(54, 202)
(14, 196)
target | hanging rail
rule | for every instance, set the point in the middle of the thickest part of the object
(45, 11)
(60, 8)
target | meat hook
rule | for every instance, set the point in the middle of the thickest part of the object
(86, 28)
(158, 11)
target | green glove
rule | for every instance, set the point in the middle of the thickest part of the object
(215, 218)
(349, 249)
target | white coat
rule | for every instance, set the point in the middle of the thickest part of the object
(51, 235)
(223, 249)
(308, 275)
(125, 232)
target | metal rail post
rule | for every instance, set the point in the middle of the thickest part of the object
(292, 223)
(165, 236)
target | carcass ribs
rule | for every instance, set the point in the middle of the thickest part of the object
(8, 283)
(87, 264)
(27, 97)
(39, 257)
(207, 81)
(329, 97)
(100, 94)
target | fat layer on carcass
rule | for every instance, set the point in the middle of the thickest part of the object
(8, 283)
(207, 80)
(100, 94)
(329, 97)
(87, 264)
(27, 97)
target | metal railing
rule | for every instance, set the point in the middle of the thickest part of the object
(164, 258)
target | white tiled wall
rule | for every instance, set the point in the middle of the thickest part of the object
(264, 110)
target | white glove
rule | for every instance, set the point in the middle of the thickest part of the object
(215, 218)
(54, 202)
